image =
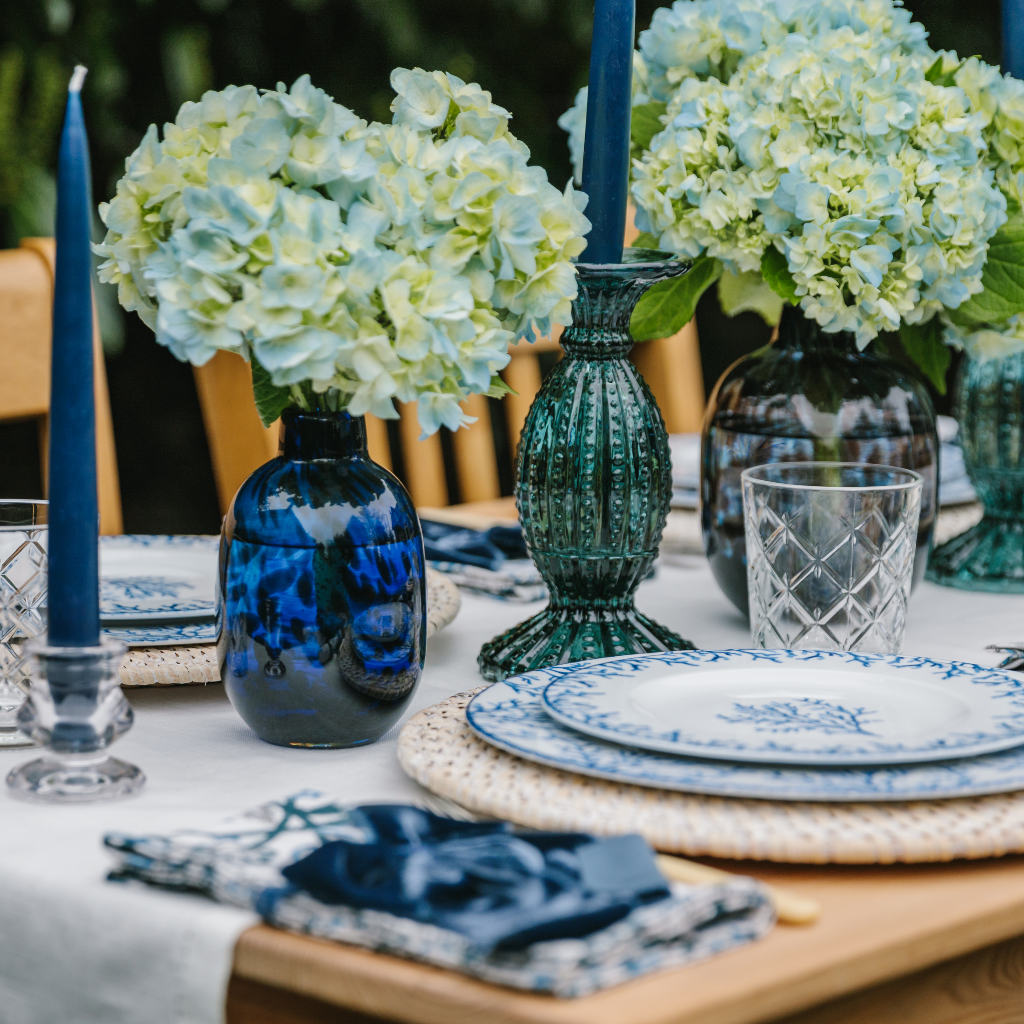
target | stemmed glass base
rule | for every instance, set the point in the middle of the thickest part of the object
(69, 778)
(557, 636)
(989, 556)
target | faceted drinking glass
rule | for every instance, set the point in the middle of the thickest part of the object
(23, 534)
(830, 548)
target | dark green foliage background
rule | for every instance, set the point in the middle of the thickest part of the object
(147, 56)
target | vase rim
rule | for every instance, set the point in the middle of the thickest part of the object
(641, 258)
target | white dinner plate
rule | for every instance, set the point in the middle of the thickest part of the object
(157, 578)
(793, 707)
(510, 716)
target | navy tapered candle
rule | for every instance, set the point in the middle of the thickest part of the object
(74, 619)
(606, 150)
(1013, 37)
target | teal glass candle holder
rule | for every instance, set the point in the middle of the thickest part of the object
(990, 409)
(593, 484)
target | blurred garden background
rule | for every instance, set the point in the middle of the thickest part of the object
(146, 57)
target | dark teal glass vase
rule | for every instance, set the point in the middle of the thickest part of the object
(593, 484)
(990, 410)
(809, 397)
(322, 580)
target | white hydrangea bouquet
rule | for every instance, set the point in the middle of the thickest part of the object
(819, 153)
(354, 264)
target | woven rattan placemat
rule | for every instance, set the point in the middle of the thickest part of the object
(438, 750)
(177, 666)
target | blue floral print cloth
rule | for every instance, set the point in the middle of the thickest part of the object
(493, 562)
(550, 912)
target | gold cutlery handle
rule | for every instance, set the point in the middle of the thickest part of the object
(789, 907)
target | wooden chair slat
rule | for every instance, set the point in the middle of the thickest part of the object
(423, 461)
(377, 441)
(238, 441)
(475, 459)
(26, 321)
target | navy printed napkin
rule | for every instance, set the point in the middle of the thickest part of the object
(550, 912)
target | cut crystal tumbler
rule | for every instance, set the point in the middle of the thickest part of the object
(830, 550)
(593, 484)
(23, 532)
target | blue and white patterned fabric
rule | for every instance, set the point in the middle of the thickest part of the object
(241, 865)
(494, 562)
(517, 579)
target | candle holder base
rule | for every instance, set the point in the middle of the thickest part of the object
(70, 779)
(75, 709)
(14, 738)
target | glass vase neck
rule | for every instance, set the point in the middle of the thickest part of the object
(608, 292)
(322, 435)
(801, 333)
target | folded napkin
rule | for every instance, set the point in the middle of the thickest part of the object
(493, 562)
(553, 912)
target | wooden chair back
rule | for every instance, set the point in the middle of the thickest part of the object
(26, 319)
(239, 443)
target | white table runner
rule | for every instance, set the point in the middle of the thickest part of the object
(75, 949)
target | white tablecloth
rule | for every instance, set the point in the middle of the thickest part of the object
(75, 949)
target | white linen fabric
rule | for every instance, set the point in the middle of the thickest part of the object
(76, 949)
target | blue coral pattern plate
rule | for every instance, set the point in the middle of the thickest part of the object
(793, 707)
(510, 715)
(173, 634)
(150, 578)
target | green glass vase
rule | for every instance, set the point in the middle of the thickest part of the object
(593, 484)
(990, 409)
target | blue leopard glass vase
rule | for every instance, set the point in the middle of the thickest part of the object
(593, 484)
(323, 602)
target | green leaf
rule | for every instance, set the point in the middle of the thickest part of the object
(1002, 278)
(935, 71)
(271, 400)
(775, 271)
(498, 388)
(924, 344)
(669, 306)
(646, 123)
(645, 240)
(740, 292)
(936, 76)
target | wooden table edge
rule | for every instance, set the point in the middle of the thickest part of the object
(402, 990)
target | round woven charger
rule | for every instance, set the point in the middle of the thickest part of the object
(438, 750)
(179, 666)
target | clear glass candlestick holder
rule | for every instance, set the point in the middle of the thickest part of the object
(76, 710)
(23, 534)
(830, 549)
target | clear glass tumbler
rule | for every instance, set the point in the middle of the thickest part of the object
(830, 554)
(23, 535)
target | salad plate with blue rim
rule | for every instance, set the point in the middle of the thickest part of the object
(511, 716)
(804, 707)
(156, 578)
(171, 634)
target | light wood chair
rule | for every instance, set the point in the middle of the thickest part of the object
(239, 443)
(26, 316)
